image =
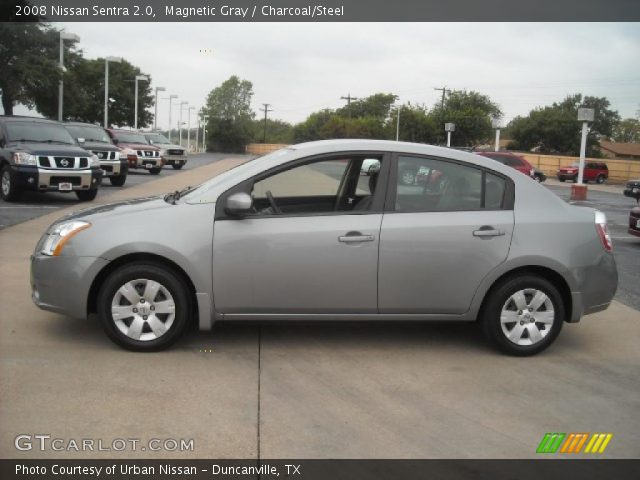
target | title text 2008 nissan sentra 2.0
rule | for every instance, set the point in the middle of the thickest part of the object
(303, 234)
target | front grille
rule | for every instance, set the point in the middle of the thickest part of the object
(175, 152)
(44, 162)
(65, 162)
(75, 181)
(84, 162)
(104, 155)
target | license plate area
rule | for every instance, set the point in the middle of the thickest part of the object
(638, 224)
(65, 186)
(148, 166)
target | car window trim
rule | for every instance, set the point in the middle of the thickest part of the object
(508, 196)
(377, 206)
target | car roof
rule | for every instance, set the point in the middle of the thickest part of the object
(83, 124)
(24, 118)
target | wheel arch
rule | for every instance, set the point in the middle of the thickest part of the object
(545, 272)
(137, 257)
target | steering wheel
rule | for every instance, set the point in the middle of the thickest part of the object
(272, 202)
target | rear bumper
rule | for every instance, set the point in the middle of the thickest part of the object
(597, 286)
(45, 179)
(61, 284)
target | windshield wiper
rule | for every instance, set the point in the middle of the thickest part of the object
(175, 196)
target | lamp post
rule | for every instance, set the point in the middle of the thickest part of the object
(171, 97)
(398, 124)
(155, 114)
(189, 128)
(449, 127)
(204, 132)
(181, 123)
(106, 87)
(495, 123)
(63, 36)
(579, 190)
(139, 78)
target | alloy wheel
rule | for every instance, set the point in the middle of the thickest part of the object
(6, 183)
(527, 317)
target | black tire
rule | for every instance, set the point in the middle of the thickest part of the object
(150, 271)
(600, 179)
(118, 181)
(562, 179)
(87, 195)
(575, 179)
(155, 171)
(498, 298)
(9, 192)
(177, 165)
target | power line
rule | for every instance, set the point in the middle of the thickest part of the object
(444, 91)
(348, 98)
(265, 109)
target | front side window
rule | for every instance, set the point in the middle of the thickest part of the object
(330, 185)
(430, 185)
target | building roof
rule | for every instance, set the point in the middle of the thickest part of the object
(632, 149)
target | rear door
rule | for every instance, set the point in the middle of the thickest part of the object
(439, 240)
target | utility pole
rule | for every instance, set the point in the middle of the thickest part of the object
(266, 110)
(445, 90)
(348, 98)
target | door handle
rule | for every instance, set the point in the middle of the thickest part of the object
(355, 237)
(487, 231)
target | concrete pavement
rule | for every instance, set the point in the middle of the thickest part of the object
(306, 391)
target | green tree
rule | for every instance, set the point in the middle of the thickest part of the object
(627, 131)
(471, 112)
(555, 128)
(29, 59)
(416, 125)
(311, 128)
(377, 106)
(230, 125)
(278, 131)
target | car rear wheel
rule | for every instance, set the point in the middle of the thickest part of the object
(143, 306)
(600, 179)
(523, 315)
(118, 180)
(8, 189)
(155, 171)
(86, 195)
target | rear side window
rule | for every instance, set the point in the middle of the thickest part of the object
(430, 185)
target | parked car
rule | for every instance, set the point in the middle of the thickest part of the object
(96, 140)
(40, 155)
(593, 172)
(539, 175)
(172, 154)
(634, 221)
(281, 238)
(139, 153)
(511, 160)
(632, 189)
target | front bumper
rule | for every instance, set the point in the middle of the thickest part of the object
(147, 162)
(114, 168)
(49, 179)
(175, 159)
(61, 284)
(566, 176)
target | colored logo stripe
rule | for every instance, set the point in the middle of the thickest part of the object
(598, 443)
(573, 442)
(550, 442)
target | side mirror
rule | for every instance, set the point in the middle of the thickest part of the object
(238, 204)
(81, 140)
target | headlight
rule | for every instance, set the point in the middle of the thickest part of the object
(22, 158)
(128, 151)
(60, 235)
(163, 152)
(94, 162)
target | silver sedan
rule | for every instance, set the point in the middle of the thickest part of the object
(299, 234)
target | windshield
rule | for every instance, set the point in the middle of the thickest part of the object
(575, 165)
(156, 138)
(38, 132)
(89, 133)
(130, 137)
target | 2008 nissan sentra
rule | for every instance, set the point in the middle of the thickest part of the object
(304, 234)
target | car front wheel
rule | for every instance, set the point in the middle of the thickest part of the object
(8, 189)
(155, 170)
(600, 179)
(86, 195)
(143, 306)
(118, 181)
(523, 315)
(177, 165)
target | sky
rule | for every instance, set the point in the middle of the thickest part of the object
(299, 68)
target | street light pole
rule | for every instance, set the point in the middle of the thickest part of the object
(579, 190)
(143, 78)
(171, 97)
(398, 124)
(495, 123)
(189, 128)
(155, 114)
(180, 123)
(106, 87)
(449, 127)
(63, 36)
(204, 133)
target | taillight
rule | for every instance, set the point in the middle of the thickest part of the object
(532, 172)
(603, 231)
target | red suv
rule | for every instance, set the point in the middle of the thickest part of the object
(139, 153)
(593, 172)
(511, 160)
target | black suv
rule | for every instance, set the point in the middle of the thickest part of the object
(40, 155)
(97, 141)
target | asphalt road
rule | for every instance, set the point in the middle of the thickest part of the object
(626, 248)
(34, 204)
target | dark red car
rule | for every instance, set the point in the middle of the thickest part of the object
(139, 153)
(593, 172)
(511, 160)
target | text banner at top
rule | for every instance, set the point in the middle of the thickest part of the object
(321, 10)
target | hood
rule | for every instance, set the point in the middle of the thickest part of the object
(138, 146)
(568, 168)
(118, 208)
(171, 146)
(52, 149)
(100, 146)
